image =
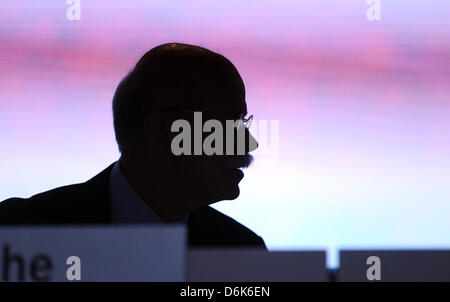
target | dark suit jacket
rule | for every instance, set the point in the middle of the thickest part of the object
(89, 204)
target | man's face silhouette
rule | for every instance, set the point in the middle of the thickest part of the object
(176, 82)
(205, 179)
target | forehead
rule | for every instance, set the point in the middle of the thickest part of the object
(208, 83)
(221, 94)
(214, 94)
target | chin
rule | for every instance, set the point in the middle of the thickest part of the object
(224, 193)
(230, 183)
(234, 193)
(223, 188)
(230, 193)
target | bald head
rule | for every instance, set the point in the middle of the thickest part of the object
(180, 76)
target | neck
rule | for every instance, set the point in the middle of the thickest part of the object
(152, 185)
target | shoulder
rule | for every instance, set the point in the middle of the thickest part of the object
(46, 207)
(220, 230)
(72, 204)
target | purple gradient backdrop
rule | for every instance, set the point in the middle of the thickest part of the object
(363, 107)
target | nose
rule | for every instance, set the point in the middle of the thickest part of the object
(252, 144)
(242, 143)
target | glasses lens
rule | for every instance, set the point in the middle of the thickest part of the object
(243, 122)
(248, 122)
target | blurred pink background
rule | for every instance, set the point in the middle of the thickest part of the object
(363, 107)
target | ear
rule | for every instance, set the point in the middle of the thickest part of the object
(157, 129)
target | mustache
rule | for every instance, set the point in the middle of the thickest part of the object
(239, 161)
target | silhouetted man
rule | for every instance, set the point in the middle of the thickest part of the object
(151, 183)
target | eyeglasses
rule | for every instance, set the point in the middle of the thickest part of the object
(246, 122)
